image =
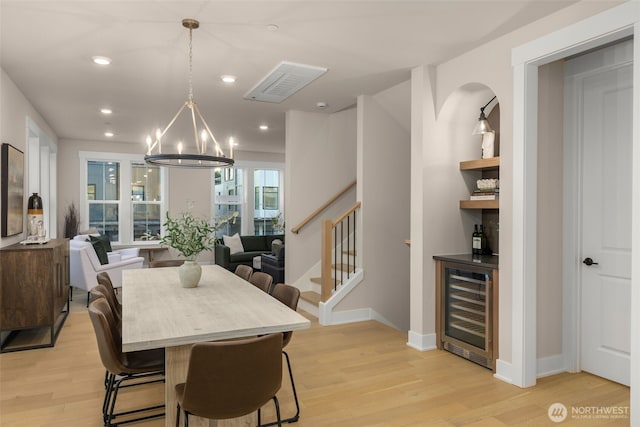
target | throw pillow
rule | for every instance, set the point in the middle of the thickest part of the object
(234, 243)
(102, 245)
(100, 252)
(105, 242)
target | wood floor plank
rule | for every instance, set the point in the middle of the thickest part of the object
(356, 375)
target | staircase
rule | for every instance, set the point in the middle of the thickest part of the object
(339, 271)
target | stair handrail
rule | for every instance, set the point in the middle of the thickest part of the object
(318, 211)
(330, 245)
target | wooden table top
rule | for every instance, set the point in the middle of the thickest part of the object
(157, 312)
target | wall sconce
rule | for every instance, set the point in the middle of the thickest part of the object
(483, 124)
(488, 135)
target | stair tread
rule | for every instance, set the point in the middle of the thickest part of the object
(310, 296)
(318, 280)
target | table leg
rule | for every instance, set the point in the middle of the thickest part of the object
(176, 364)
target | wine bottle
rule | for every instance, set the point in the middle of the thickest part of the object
(476, 241)
(484, 247)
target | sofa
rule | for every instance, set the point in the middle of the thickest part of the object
(273, 263)
(252, 246)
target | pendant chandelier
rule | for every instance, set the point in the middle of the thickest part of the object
(204, 141)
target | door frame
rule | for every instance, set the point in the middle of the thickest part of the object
(609, 26)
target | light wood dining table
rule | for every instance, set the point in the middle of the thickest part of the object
(157, 312)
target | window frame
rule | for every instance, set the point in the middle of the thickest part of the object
(125, 204)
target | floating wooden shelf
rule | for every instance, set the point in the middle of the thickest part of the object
(479, 204)
(481, 164)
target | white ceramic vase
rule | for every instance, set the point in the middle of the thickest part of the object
(190, 273)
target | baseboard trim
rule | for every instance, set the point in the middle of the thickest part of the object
(551, 365)
(421, 342)
(504, 371)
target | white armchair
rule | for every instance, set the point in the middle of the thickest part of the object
(84, 264)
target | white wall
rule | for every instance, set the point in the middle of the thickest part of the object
(384, 155)
(321, 160)
(14, 111)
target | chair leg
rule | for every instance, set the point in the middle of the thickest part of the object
(186, 419)
(293, 387)
(296, 417)
(110, 402)
(178, 415)
(275, 401)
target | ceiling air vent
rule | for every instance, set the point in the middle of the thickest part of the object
(283, 81)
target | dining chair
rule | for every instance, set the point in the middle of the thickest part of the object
(166, 263)
(262, 281)
(122, 367)
(105, 280)
(244, 271)
(289, 296)
(230, 379)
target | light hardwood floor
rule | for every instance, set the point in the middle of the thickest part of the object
(359, 374)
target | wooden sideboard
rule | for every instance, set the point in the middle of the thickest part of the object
(34, 294)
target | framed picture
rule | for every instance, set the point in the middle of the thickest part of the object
(11, 193)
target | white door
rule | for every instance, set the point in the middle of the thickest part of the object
(605, 131)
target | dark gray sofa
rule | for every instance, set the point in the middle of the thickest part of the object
(253, 246)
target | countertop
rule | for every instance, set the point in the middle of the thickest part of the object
(488, 261)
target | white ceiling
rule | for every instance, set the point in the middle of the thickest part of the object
(46, 49)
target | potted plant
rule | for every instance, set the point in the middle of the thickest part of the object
(189, 236)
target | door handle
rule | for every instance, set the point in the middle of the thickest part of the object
(589, 261)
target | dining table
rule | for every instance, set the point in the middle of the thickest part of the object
(157, 312)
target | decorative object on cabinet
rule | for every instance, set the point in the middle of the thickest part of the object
(34, 294)
(12, 168)
(467, 307)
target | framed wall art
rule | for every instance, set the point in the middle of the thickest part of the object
(11, 191)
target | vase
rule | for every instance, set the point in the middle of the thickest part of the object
(35, 217)
(190, 273)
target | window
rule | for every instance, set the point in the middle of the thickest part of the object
(125, 197)
(228, 200)
(266, 212)
(146, 199)
(103, 195)
(255, 191)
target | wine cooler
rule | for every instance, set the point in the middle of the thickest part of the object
(466, 307)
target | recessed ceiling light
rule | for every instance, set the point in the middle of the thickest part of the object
(228, 78)
(108, 134)
(106, 110)
(264, 127)
(101, 60)
(273, 27)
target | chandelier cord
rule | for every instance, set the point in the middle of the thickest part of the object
(190, 63)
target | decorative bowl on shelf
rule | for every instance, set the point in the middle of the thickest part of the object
(487, 184)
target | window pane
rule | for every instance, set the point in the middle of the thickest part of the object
(270, 198)
(146, 221)
(145, 183)
(103, 180)
(267, 201)
(231, 227)
(104, 217)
